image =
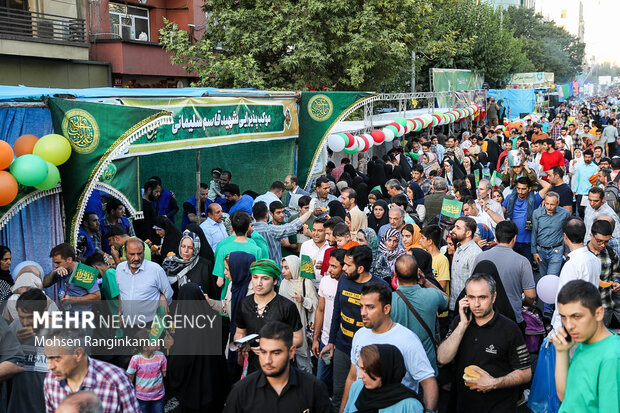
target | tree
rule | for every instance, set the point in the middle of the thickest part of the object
(549, 47)
(316, 44)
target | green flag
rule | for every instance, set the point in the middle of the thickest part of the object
(496, 179)
(157, 327)
(451, 208)
(477, 176)
(98, 133)
(307, 268)
(84, 276)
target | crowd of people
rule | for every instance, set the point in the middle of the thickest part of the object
(362, 295)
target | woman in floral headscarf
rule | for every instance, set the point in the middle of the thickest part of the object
(390, 247)
(380, 267)
(189, 266)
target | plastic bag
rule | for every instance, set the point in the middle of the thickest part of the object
(543, 395)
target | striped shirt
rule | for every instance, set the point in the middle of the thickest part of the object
(149, 379)
(109, 383)
(462, 268)
(274, 233)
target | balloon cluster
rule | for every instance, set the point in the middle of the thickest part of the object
(31, 162)
(352, 144)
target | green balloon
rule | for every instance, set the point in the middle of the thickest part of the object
(29, 170)
(53, 177)
(345, 137)
(393, 129)
(401, 121)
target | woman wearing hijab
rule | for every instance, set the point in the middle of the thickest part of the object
(5, 265)
(380, 266)
(206, 251)
(29, 274)
(379, 388)
(470, 184)
(356, 181)
(362, 195)
(450, 172)
(336, 209)
(302, 293)
(502, 303)
(379, 215)
(189, 266)
(350, 170)
(390, 247)
(430, 162)
(416, 199)
(200, 383)
(169, 237)
(411, 236)
(376, 176)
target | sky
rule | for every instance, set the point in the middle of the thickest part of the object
(601, 23)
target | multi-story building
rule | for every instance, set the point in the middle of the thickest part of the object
(44, 43)
(92, 43)
(565, 13)
(126, 34)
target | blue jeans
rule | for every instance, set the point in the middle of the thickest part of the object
(325, 372)
(152, 406)
(550, 260)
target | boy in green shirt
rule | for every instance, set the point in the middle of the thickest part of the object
(590, 382)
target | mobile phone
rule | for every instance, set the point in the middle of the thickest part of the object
(467, 313)
(568, 338)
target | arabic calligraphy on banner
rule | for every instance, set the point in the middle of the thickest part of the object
(202, 122)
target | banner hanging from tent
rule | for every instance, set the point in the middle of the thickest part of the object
(203, 122)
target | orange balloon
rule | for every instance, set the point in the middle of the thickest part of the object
(6, 155)
(8, 188)
(24, 145)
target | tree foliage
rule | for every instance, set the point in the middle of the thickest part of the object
(548, 47)
(363, 44)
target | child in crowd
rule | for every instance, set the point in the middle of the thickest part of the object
(214, 185)
(149, 368)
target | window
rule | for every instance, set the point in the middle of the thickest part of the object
(563, 14)
(129, 22)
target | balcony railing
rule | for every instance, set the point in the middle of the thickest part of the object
(47, 28)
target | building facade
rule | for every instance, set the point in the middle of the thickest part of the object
(565, 13)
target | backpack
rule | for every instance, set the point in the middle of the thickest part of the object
(535, 331)
(611, 194)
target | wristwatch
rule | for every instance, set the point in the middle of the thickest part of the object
(430, 411)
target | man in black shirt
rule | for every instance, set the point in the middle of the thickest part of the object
(556, 179)
(278, 387)
(493, 344)
(266, 305)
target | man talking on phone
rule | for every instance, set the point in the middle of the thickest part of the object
(593, 373)
(489, 350)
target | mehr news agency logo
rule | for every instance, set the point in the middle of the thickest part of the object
(82, 130)
(320, 108)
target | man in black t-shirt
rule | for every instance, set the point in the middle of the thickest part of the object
(266, 305)
(556, 179)
(493, 344)
(278, 387)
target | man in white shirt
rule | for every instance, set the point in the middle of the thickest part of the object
(359, 220)
(323, 315)
(470, 209)
(213, 227)
(581, 264)
(484, 193)
(315, 248)
(376, 305)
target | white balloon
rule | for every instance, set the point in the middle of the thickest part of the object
(427, 118)
(370, 140)
(360, 143)
(389, 135)
(401, 132)
(336, 143)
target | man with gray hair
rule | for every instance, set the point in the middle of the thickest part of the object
(485, 192)
(434, 200)
(547, 240)
(396, 221)
(143, 284)
(83, 401)
(393, 187)
(72, 370)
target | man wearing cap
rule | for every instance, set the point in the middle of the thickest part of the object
(265, 305)
(117, 237)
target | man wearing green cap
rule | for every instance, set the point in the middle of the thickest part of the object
(265, 305)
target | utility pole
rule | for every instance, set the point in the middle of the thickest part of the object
(412, 72)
